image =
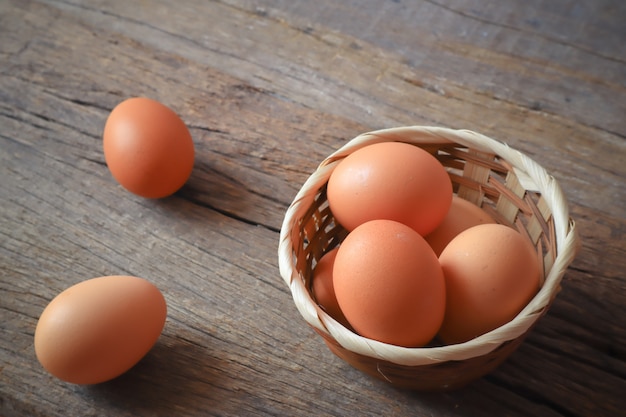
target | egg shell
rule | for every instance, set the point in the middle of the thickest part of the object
(148, 148)
(389, 284)
(393, 181)
(98, 329)
(492, 272)
(461, 216)
(323, 288)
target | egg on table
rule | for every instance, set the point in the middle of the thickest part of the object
(98, 329)
(147, 148)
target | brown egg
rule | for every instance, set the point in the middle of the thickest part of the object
(393, 181)
(461, 216)
(147, 148)
(99, 328)
(491, 273)
(323, 289)
(389, 284)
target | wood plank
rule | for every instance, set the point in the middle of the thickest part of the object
(369, 78)
(269, 89)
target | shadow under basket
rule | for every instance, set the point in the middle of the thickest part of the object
(508, 185)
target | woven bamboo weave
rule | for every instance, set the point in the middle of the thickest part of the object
(507, 184)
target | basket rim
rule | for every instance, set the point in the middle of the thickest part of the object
(532, 176)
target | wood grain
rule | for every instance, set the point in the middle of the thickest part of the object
(268, 89)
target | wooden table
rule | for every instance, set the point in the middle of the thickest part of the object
(268, 89)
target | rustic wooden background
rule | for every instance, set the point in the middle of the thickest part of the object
(268, 89)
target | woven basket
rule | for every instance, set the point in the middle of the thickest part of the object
(508, 185)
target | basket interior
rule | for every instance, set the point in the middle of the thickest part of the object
(482, 178)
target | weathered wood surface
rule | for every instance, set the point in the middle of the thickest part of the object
(268, 89)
